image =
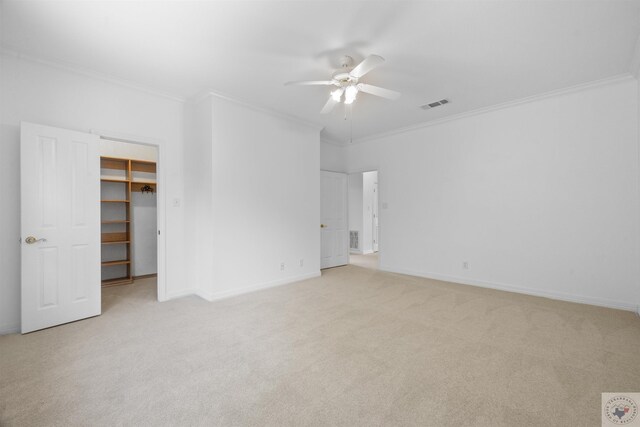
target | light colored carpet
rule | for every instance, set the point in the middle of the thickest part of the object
(354, 347)
(364, 261)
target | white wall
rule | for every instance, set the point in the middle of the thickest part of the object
(144, 246)
(198, 191)
(368, 182)
(36, 92)
(355, 207)
(264, 198)
(332, 157)
(540, 197)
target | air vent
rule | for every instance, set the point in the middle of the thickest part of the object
(434, 104)
(354, 239)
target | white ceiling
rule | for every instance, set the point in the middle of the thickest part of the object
(474, 53)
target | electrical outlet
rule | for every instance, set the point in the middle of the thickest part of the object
(282, 266)
(301, 262)
(465, 265)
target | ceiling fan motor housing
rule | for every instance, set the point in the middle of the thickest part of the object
(342, 75)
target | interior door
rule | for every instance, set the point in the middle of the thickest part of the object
(334, 220)
(60, 226)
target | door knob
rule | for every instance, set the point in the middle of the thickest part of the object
(322, 226)
(31, 240)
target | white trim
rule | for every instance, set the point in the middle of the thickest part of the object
(4, 50)
(355, 251)
(568, 90)
(363, 170)
(161, 206)
(181, 294)
(256, 287)
(10, 328)
(634, 65)
(266, 110)
(333, 142)
(602, 302)
(125, 137)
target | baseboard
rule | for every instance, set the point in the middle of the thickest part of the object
(367, 252)
(257, 287)
(180, 294)
(10, 329)
(355, 251)
(601, 302)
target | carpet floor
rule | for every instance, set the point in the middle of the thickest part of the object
(365, 261)
(353, 347)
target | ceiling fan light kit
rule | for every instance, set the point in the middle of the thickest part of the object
(347, 82)
(350, 94)
(336, 95)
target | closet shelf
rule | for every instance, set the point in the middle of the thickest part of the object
(119, 181)
(119, 262)
(143, 166)
(117, 281)
(117, 242)
(114, 163)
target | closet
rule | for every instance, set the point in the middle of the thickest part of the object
(128, 219)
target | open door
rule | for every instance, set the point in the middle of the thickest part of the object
(334, 233)
(60, 226)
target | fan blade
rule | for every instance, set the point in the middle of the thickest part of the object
(329, 106)
(369, 63)
(311, 83)
(378, 91)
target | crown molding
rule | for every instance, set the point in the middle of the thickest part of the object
(4, 50)
(567, 90)
(261, 108)
(634, 65)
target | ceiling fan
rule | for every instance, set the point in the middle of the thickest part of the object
(347, 82)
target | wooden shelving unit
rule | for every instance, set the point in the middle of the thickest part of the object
(116, 228)
(122, 176)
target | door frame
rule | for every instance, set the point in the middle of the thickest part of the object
(363, 170)
(161, 206)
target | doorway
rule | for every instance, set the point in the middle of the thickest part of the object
(364, 227)
(129, 221)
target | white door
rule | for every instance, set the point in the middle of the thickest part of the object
(60, 226)
(334, 233)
